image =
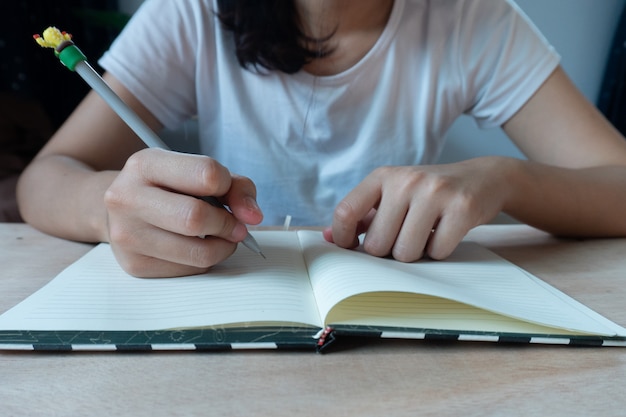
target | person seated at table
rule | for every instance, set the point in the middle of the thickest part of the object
(333, 112)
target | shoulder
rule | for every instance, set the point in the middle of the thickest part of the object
(164, 32)
(487, 51)
(461, 29)
(473, 15)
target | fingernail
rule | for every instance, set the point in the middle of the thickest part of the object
(251, 204)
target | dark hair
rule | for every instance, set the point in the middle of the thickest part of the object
(268, 34)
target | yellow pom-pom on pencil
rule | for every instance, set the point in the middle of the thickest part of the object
(52, 38)
(64, 47)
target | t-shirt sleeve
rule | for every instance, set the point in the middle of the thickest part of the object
(154, 57)
(504, 60)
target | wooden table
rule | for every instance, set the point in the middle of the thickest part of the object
(379, 378)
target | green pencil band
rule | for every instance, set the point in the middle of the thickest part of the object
(70, 55)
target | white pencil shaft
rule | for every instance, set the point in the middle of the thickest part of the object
(138, 126)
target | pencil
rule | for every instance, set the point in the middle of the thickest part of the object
(72, 57)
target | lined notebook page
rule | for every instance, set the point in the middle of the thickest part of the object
(95, 294)
(473, 275)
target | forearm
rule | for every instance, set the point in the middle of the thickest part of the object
(62, 196)
(587, 202)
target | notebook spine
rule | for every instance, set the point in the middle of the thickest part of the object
(156, 347)
(520, 339)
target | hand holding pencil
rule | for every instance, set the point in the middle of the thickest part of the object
(75, 60)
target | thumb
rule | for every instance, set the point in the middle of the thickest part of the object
(241, 199)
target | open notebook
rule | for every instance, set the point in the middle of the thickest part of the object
(305, 294)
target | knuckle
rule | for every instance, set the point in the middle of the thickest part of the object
(136, 162)
(410, 181)
(122, 237)
(209, 174)
(465, 203)
(193, 216)
(439, 184)
(344, 212)
(114, 199)
(415, 177)
(111, 198)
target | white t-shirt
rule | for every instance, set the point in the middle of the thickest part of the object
(306, 140)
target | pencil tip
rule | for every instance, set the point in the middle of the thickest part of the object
(261, 253)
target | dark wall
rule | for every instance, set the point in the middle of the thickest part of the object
(31, 72)
(36, 92)
(612, 98)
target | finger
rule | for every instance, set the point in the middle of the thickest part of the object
(352, 211)
(416, 231)
(241, 199)
(180, 214)
(450, 230)
(148, 267)
(189, 174)
(362, 227)
(384, 228)
(168, 254)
